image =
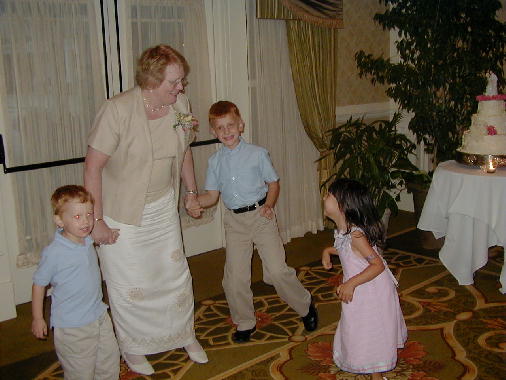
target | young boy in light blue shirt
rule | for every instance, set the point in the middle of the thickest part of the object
(83, 335)
(249, 186)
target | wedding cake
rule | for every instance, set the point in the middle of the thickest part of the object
(487, 134)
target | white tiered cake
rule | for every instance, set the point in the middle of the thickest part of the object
(487, 134)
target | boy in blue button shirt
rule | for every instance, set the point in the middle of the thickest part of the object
(249, 186)
(83, 335)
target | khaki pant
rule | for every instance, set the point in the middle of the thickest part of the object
(88, 352)
(241, 232)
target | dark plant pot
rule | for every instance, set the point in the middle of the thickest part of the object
(427, 238)
(385, 220)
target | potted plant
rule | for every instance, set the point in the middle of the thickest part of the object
(444, 50)
(375, 154)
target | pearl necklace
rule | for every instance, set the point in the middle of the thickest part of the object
(152, 109)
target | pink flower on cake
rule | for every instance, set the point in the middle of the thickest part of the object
(491, 130)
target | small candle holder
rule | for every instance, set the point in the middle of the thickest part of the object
(490, 164)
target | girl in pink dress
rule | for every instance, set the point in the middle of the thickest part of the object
(372, 327)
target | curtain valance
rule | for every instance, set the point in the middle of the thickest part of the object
(322, 12)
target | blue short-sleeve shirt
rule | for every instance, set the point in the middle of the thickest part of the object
(73, 272)
(240, 174)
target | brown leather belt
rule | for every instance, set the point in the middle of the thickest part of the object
(252, 207)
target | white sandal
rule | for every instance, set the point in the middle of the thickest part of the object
(198, 356)
(143, 368)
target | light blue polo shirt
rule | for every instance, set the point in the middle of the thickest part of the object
(73, 272)
(240, 174)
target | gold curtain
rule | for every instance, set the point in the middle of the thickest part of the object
(313, 59)
(321, 12)
(313, 47)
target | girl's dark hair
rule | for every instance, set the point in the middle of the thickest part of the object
(358, 208)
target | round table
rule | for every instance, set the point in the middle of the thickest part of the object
(467, 206)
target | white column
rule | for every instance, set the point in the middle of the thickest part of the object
(8, 248)
(406, 201)
(228, 53)
(227, 42)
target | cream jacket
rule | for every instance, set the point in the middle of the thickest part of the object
(121, 131)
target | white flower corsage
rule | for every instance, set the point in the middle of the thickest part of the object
(184, 120)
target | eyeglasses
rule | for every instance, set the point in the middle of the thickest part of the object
(183, 82)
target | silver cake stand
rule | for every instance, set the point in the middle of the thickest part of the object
(472, 159)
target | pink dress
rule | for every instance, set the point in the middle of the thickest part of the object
(371, 327)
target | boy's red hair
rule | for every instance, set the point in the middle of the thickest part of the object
(222, 108)
(69, 193)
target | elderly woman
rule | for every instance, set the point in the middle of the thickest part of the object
(138, 149)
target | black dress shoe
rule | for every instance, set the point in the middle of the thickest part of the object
(311, 319)
(241, 336)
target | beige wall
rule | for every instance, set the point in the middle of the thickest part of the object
(360, 32)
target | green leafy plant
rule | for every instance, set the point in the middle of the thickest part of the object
(375, 154)
(445, 48)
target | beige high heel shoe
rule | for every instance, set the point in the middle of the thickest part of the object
(143, 368)
(196, 353)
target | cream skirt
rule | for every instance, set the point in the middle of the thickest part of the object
(148, 281)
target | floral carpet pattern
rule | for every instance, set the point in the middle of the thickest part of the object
(455, 332)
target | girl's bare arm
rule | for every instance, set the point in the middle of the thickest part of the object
(326, 261)
(361, 246)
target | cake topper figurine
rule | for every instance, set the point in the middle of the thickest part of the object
(491, 84)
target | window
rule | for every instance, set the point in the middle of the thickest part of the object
(59, 59)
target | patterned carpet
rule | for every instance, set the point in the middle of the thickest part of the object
(455, 332)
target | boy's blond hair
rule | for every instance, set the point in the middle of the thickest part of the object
(222, 108)
(69, 193)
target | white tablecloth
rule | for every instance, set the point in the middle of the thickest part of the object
(468, 206)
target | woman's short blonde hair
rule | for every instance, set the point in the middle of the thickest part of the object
(151, 65)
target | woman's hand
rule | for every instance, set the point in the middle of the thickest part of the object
(102, 234)
(39, 328)
(345, 292)
(326, 260)
(192, 205)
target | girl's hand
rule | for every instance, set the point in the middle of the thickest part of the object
(39, 328)
(266, 212)
(345, 292)
(102, 234)
(326, 261)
